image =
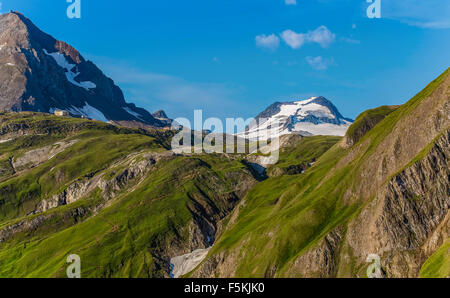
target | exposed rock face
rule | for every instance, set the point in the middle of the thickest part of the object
(208, 220)
(321, 262)
(132, 174)
(136, 170)
(406, 213)
(162, 116)
(405, 224)
(218, 265)
(73, 193)
(35, 157)
(83, 187)
(22, 226)
(257, 166)
(39, 73)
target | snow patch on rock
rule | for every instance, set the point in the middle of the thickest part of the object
(70, 75)
(133, 113)
(89, 112)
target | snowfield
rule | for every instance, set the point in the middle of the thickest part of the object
(186, 263)
(89, 112)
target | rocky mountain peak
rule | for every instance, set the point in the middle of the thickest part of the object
(41, 74)
(314, 116)
(160, 114)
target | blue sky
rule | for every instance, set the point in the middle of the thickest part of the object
(233, 58)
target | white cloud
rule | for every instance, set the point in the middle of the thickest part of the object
(293, 39)
(429, 24)
(271, 42)
(290, 2)
(350, 40)
(321, 35)
(319, 63)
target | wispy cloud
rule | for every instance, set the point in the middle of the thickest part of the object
(350, 40)
(290, 2)
(321, 35)
(319, 63)
(431, 14)
(271, 42)
(179, 97)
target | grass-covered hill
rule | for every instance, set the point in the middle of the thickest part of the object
(384, 189)
(126, 204)
(117, 197)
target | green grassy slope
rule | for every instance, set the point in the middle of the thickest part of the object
(135, 220)
(146, 223)
(285, 216)
(366, 121)
(98, 146)
(299, 155)
(122, 239)
(438, 265)
(116, 238)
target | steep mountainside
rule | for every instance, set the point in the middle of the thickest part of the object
(384, 189)
(137, 207)
(39, 73)
(115, 196)
(130, 207)
(314, 116)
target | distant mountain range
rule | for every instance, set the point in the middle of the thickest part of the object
(41, 74)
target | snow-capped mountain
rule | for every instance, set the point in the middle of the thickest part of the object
(41, 74)
(314, 116)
